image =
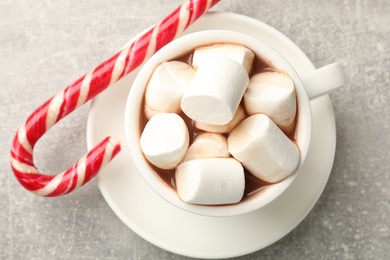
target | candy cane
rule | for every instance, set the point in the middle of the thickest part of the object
(80, 92)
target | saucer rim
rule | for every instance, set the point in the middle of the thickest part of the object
(169, 247)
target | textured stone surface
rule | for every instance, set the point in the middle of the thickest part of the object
(46, 44)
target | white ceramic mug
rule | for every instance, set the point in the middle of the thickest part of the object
(316, 84)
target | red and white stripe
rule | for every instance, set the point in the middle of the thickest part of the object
(80, 92)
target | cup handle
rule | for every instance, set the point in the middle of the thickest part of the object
(324, 80)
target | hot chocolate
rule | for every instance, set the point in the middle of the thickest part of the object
(266, 91)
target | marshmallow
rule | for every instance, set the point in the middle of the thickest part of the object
(165, 140)
(236, 52)
(166, 87)
(237, 118)
(149, 112)
(210, 181)
(207, 145)
(215, 91)
(273, 94)
(263, 148)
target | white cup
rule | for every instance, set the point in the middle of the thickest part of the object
(316, 84)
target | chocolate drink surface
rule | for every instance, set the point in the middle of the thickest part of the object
(253, 185)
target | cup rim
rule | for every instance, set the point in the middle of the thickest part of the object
(174, 50)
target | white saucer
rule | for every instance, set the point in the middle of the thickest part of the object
(175, 230)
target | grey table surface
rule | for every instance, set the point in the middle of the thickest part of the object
(44, 45)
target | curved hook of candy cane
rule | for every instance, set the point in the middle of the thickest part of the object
(80, 92)
(67, 181)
